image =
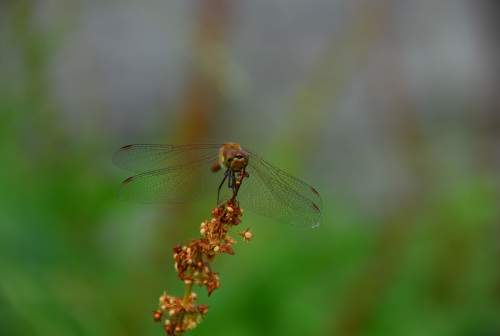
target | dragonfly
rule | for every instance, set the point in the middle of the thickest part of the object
(188, 172)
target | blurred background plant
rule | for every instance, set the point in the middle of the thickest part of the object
(388, 108)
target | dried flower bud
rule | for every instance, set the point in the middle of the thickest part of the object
(227, 248)
(248, 235)
(157, 315)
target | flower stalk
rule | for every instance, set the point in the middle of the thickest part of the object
(193, 265)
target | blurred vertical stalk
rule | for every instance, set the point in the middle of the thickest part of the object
(25, 97)
(204, 89)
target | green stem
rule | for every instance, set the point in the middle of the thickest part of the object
(187, 292)
(184, 302)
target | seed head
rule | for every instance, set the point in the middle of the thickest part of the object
(193, 265)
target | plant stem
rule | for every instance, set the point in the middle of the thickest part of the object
(187, 292)
(238, 184)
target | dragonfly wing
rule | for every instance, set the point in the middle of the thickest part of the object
(274, 193)
(170, 173)
(143, 158)
(178, 185)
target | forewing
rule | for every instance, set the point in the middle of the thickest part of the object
(143, 158)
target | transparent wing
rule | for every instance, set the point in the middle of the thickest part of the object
(170, 173)
(274, 193)
(143, 158)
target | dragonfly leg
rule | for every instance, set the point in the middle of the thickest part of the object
(231, 182)
(226, 174)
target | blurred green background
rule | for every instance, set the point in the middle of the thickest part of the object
(388, 108)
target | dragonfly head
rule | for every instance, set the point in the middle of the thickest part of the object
(235, 160)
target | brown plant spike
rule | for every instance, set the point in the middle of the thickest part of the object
(192, 262)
